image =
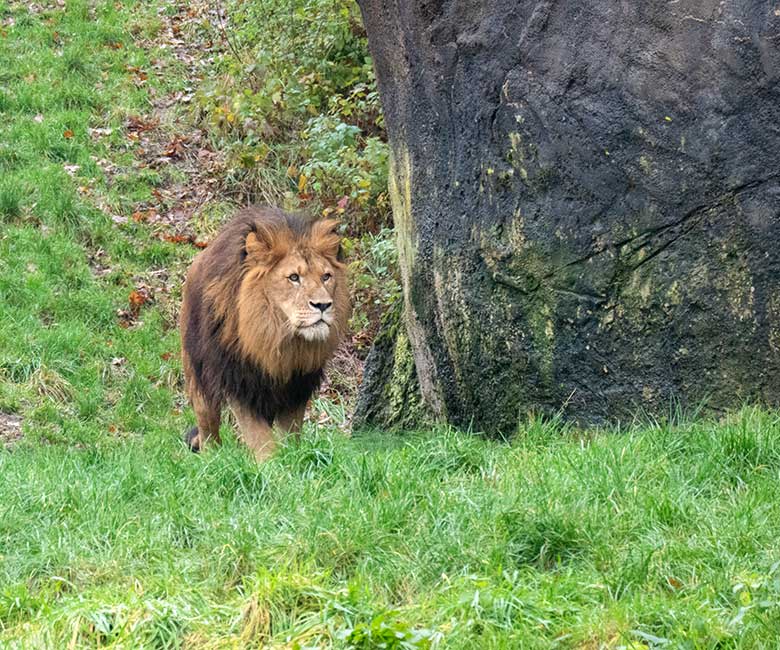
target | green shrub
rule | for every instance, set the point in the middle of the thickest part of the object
(297, 110)
(339, 165)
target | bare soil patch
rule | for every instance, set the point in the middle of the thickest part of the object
(10, 429)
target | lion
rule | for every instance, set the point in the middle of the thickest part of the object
(264, 307)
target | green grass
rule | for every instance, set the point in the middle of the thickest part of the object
(113, 535)
(555, 540)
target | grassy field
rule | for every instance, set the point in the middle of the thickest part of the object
(113, 535)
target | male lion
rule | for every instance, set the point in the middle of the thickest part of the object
(264, 307)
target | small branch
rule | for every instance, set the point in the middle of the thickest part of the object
(224, 33)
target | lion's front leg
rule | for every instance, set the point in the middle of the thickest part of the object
(290, 422)
(208, 416)
(257, 434)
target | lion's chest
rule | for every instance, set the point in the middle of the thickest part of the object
(265, 396)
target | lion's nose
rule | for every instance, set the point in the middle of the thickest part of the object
(322, 306)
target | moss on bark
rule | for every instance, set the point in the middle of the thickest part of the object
(390, 396)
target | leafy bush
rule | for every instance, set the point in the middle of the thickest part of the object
(297, 109)
(389, 634)
(340, 165)
(375, 283)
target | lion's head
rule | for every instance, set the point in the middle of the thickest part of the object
(299, 274)
(290, 301)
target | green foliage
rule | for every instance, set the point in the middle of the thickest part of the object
(299, 58)
(374, 276)
(338, 166)
(298, 109)
(383, 632)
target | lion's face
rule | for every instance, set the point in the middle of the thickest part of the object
(302, 287)
(295, 285)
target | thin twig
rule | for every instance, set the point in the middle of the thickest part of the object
(225, 36)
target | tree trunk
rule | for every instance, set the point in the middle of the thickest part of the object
(587, 205)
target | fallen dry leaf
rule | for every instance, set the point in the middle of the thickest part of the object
(140, 216)
(184, 239)
(177, 239)
(175, 148)
(137, 123)
(139, 297)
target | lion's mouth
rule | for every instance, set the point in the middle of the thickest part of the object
(317, 331)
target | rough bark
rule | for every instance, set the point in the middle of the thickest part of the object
(587, 204)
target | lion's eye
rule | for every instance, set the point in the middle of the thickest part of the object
(326, 277)
(294, 278)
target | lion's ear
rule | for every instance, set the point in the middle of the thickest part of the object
(325, 238)
(258, 249)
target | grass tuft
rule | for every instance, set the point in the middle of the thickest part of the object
(11, 196)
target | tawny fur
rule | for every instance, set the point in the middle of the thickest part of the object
(241, 321)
